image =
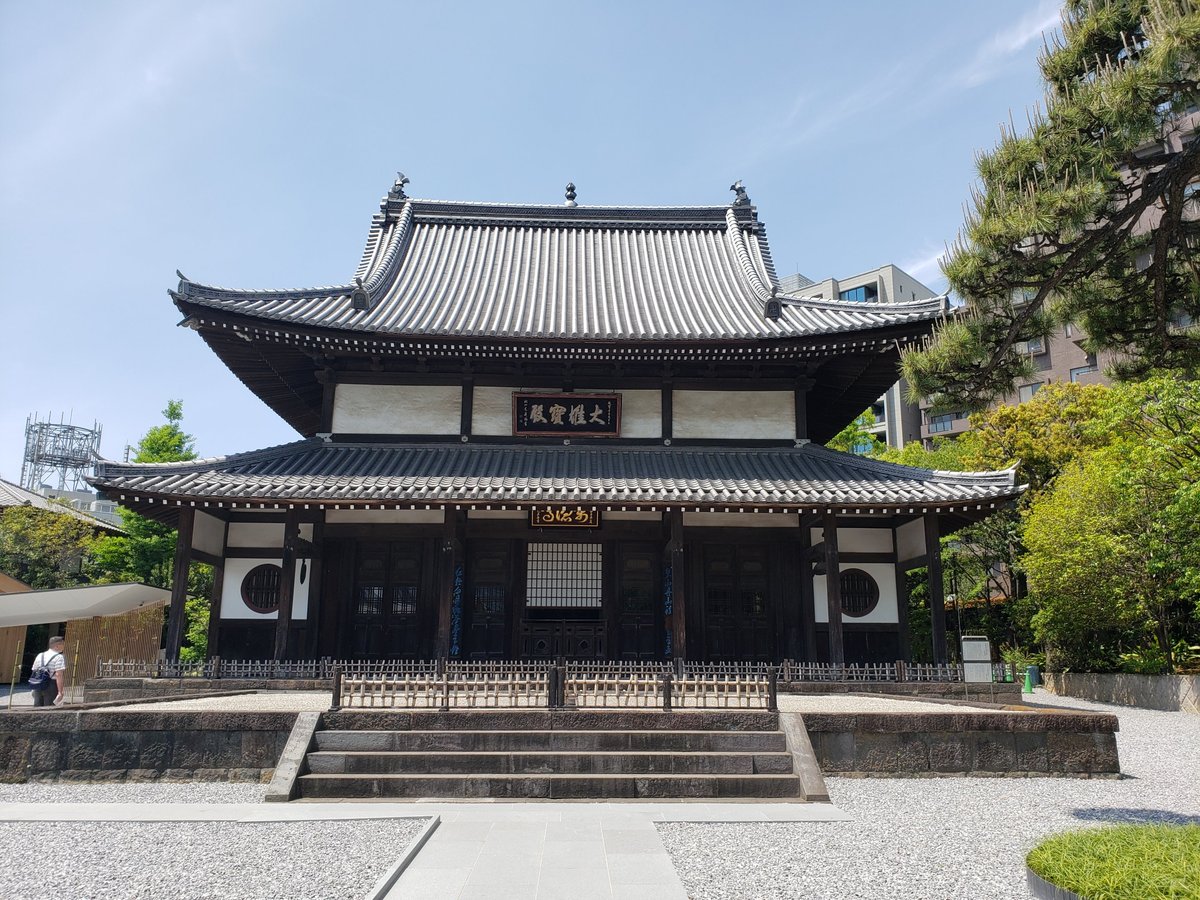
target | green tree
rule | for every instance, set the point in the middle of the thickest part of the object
(147, 551)
(1114, 545)
(1090, 217)
(44, 548)
(857, 437)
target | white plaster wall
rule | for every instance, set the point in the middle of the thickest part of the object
(741, 520)
(233, 607)
(910, 540)
(498, 514)
(734, 414)
(386, 516)
(397, 409)
(631, 516)
(641, 414)
(491, 411)
(262, 534)
(858, 540)
(208, 534)
(884, 613)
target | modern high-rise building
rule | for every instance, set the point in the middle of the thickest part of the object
(897, 422)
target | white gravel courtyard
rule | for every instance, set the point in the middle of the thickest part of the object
(944, 837)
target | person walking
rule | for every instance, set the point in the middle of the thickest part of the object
(49, 674)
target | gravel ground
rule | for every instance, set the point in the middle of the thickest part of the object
(260, 701)
(201, 860)
(803, 703)
(130, 792)
(944, 837)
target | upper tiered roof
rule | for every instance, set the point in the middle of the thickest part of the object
(451, 270)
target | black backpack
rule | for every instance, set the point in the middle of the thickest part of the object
(41, 675)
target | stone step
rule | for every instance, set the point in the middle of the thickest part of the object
(556, 741)
(546, 787)
(550, 720)
(620, 762)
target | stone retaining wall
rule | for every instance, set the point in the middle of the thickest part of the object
(141, 746)
(1166, 692)
(999, 743)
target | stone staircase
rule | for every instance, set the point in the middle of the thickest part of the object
(544, 755)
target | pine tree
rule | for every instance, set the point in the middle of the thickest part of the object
(1091, 217)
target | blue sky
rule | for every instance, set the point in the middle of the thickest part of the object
(247, 144)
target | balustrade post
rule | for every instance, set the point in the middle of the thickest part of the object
(216, 667)
(336, 702)
(666, 689)
(900, 673)
(773, 689)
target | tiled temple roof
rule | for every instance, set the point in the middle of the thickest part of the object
(453, 270)
(373, 475)
(15, 495)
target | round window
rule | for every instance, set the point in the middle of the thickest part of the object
(260, 588)
(860, 593)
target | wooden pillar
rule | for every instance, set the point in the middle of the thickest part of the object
(902, 611)
(214, 610)
(808, 612)
(287, 583)
(678, 563)
(316, 596)
(176, 620)
(451, 584)
(801, 406)
(833, 591)
(214, 604)
(937, 598)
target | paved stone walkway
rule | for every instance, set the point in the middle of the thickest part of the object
(573, 851)
(536, 850)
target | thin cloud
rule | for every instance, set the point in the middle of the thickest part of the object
(149, 55)
(993, 54)
(927, 268)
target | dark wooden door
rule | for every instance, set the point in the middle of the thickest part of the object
(738, 619)
(392, 612)
(488, 603)
(639, 613)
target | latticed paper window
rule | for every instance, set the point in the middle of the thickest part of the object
(260, 588)
(567, 576)
(860, 593)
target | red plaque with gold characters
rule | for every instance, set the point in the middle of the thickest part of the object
(564, 517)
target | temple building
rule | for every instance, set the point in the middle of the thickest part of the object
(541, 431)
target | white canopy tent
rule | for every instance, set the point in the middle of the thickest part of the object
(64, 604)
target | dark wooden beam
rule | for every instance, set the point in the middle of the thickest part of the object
(287, 583)
(833, 591)
(177, 617)
(937, 598)
(468, 405)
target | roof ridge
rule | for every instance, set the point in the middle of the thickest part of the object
(106, 467)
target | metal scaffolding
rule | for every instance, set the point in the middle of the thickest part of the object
(58, 454)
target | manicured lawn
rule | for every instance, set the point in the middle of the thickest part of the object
(1123, 862)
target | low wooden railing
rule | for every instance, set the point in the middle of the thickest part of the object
(555, 687)
(322, 669)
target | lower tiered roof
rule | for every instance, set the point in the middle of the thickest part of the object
(332, 474)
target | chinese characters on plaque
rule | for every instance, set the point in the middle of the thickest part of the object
(564, 517)
(566, 415)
